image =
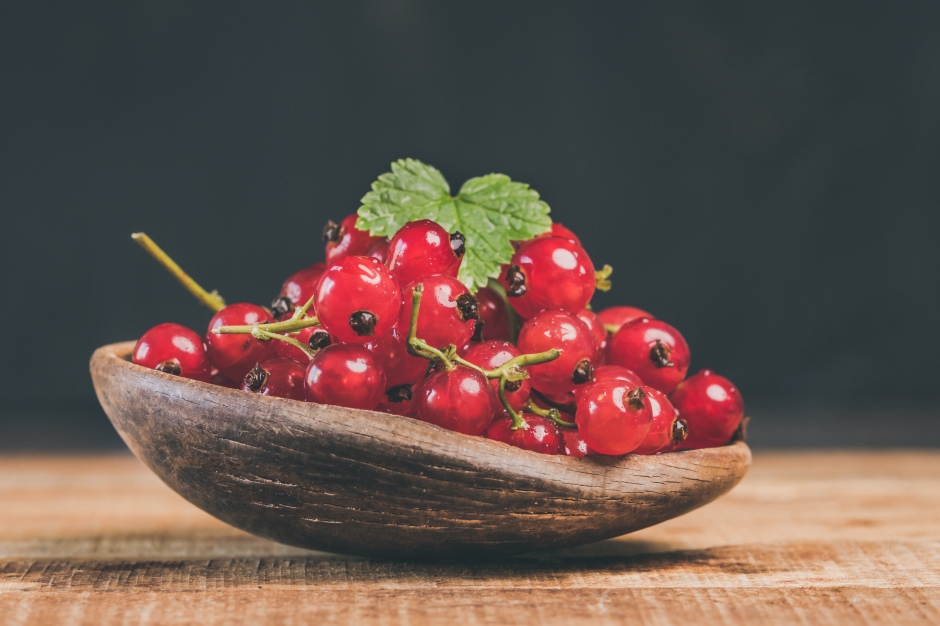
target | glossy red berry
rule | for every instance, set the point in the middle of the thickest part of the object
(422, 248)
(654, 350)
(592, 321)
(448, 312)
(613, 417)
(490, 355)
(611, 372)
(315, 337)
(297, 289)
(549, 273)
(391, 351)
(379, 250)
(538, 435)
(711, 406)
(345, 375)
(666, 429)
(493, 315)
(235, 355)
(281, 378)
(460, 399)
(173, 349)
(617, 316)
(574, 444)
(357, 299)
(575, 366)
(344, 239)
(559, 230)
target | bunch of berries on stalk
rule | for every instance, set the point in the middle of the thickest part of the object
(385, 325)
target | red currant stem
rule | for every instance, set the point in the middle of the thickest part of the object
(292, 325)
(514, 324)
(301, 311)
(212, 300)
(517, 421)
(561, 407)
(611, 328)
(418, 347)
(510, 370)
(552, 414)
(264, 335)
(602, 278)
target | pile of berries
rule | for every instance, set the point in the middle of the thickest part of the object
(385, 325)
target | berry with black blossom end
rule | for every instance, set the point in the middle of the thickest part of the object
(549, 273)
(574, 368)
(173, 349)
(280, 378)
(448, 312)
(422, 248)
(235, 355)
(613, 417)
(357, 299)
(654, 350)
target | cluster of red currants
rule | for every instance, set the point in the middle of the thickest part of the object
(386, 325)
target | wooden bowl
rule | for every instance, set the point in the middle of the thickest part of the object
(371, 484)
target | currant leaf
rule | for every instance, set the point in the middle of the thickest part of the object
(491, 211)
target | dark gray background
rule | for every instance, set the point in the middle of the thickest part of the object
(764, 176)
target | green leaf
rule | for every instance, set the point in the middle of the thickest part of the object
(491, 211)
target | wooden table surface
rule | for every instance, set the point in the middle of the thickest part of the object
(818, 538)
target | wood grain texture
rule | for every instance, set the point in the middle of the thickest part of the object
(809, 538)
(367, 483)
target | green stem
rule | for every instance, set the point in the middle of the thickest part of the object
(264, 335)
(212, 300)
(288, 326)
(297, 322)
(517, 421)
(418, 347)
(552, 414)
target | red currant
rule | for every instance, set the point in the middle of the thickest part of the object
(592, 321)
(391, 351)
(666, 429)
(345, 375)
(611, 372)
(493, 315)
(711, 406)
(574, 444)
(297, 289)
(539, 434)
(313, 336)
(549, 273)
(654, 350)
(617, 316)
(422, 248)
(459, 399)
(559, 230)
(344, 239)
(357, 299)
(281, 378)
(614, 417)
(490, 355)
(379, 250)
(575, 366)
(235, 355)
(448, 312)
(174, 349)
